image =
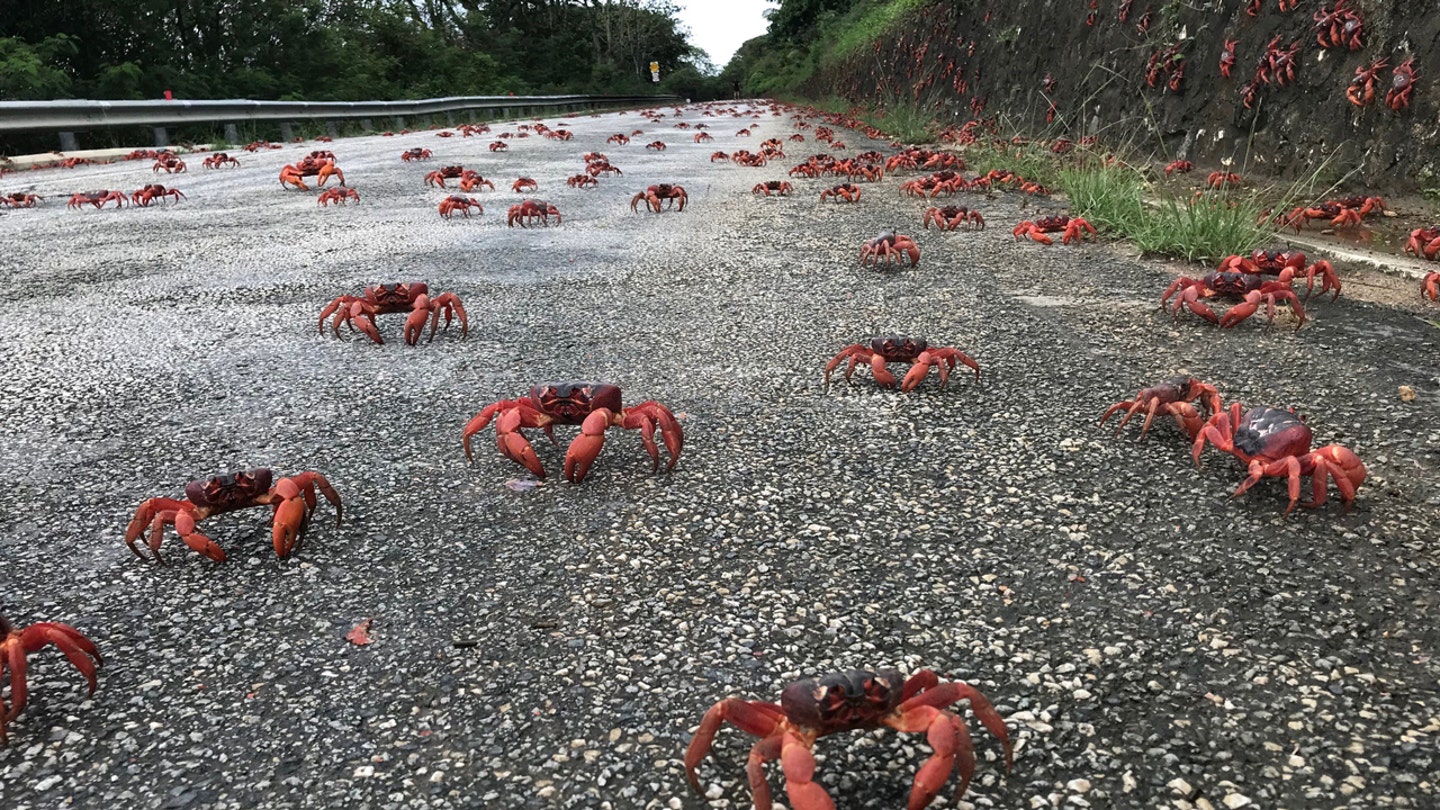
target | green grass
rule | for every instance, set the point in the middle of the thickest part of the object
(1207, 229)
(872, 23)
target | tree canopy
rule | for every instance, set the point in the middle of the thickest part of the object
(341, 49)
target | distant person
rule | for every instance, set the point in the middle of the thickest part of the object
(735, 86)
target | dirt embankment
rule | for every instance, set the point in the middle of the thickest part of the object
(954, 57)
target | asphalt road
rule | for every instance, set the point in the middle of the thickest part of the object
(1151, 641)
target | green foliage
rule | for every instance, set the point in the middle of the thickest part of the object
(1207, 229)
(341, 49)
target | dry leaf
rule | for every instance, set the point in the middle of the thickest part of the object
(1407, 394)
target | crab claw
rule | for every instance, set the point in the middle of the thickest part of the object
(15, 645)
(415, 322)
(185, 527)
(586, 447)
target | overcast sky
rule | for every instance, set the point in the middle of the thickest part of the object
(721, 26)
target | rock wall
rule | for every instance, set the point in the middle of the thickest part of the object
(958, 56)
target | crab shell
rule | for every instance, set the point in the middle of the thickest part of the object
(570, 401)
(843, 700)
(230, 490)
(898, 348)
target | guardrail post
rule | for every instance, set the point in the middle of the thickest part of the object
(162, 138)
(287, 132)
(331, 129)
(366, 125)
(399, 123)
(232, 134)
(450, 118)
(68, 143)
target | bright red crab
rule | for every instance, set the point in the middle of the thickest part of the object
(219, 160)
(1343, 213)
(440, 175)
(951, 217)
(415, 154)
(144, 196)
(16, 644)
(523, 185)
(847, 192)
(1074, 229)
(1175, 397)
(1223, 180)
(1430, 287)
(719, 157)
(1424, 242)
(581, 181)
(96, 198)
(1180, 166)
(1362, 88)
(293, 499)
(1227, 57)
(901, 349)
(656, 146)
(1287, 264)
(1339, 27)
(170, 163)
(703, 137)
(779, 187)
(595, 406)
(319, 168)
(851, 701)
(337, 195)
(1250, 289)
(499, 146)
(666, 193)
(890, 247)
(526, 212)
(619, 139)
(1275, 443)
(456, 202)
(20, 199)
(383, 299)
(1402, 85)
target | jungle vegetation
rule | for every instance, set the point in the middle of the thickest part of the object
(343, 49)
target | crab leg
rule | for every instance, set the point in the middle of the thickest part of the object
(586, 447)
(184, 520)
(415, 321)
(953, 692)
(855, 352)
(752, 717)
(940, 733)
(670, 430)
(477, 424)
(762, 752)
(1288, 467)
(799, 766)
(513, 444)
(362, 316)
(155, 513)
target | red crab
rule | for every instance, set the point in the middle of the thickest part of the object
(1342, 213)
(618, 138)
(293, 500)
(526, 212)
(499, 146)
(581, 181)
(1075, 229)
(1173, 396)
(653, 196)
(1275, 443)
(170, 163)
(1362, 88)
(849, 192)
(337, 195)
(383, 299)
(471, 180)
(144, 196)
(1227, 57)
(951, 217)
(1278, 64)
(891, 247)
(779, 187)
(457, 202)
(96, 198)
(1181, 166)
(1424, 242)
(600, 167)
(1223, 180)
(1430, 287)
(16, 644)
(20, 199)
(901, 349)
(440, 175)
(72, 162)
(321, 168)
(703, 137)
(719, 157)
(1339, 27)
(851, 701)
(595, 406)
(524, 184)
(657, 146)
(1251, 289)
(415, 154)
(1402, 85)
(219, 160)
(1287, 264)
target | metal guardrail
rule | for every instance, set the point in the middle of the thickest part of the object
(80, 115)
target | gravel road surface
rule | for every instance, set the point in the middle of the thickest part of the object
(1151, 641)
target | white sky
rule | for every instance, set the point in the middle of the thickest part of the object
(720, 27)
